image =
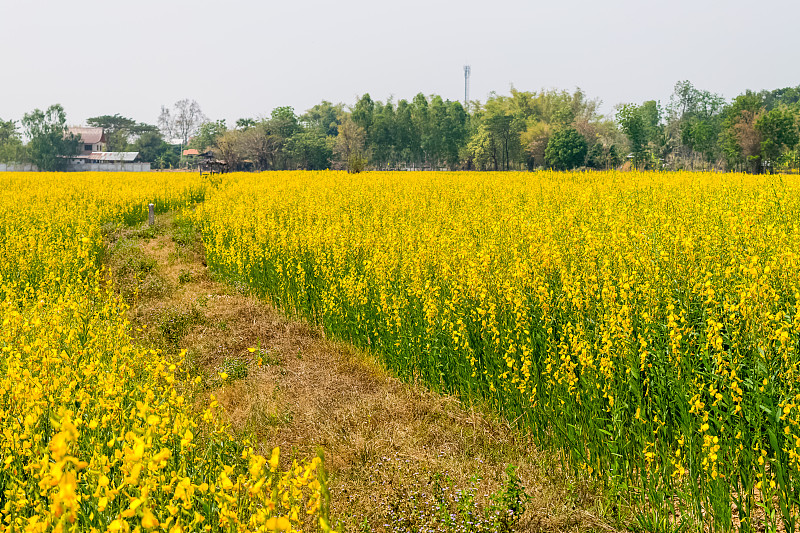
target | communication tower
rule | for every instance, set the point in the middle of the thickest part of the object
(467, 71)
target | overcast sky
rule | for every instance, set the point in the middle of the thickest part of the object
(242, 58)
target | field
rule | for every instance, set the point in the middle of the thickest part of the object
(98, 433)
(642, 325)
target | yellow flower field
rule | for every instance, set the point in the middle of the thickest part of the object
(96, 433)
(645, 324)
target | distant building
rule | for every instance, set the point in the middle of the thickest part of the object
(92, 139)
(93, 156)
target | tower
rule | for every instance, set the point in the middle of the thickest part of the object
(467, 71)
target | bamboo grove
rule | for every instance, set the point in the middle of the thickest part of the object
(96, 432)
(644, 324)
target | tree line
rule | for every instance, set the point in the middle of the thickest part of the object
(696, 129)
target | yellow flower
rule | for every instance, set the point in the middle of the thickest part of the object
(149, 521)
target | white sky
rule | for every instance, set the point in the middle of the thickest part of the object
(242, 58)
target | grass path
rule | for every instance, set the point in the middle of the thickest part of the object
(399, 458)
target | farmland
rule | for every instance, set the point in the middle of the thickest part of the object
(98, 433)
(642, 325)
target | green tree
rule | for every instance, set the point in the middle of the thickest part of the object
(284, 122)
(243, 124)
(50, 143)
(153, 149)
(740, 139)
(642, 125)
(311, 150)
(602, 157)
(383, 135)
(779, 134)
(694, 124)
(208, 134)
(483, 149)
(534, 140)
(566, 149)
(454, 132)
(120, 131)
(324, 117)
(407, 142)
(350, 146)
(11, 147)
(362, 113)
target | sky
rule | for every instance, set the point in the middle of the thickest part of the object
(242, 58)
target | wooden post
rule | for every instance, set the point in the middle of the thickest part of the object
(151, 214)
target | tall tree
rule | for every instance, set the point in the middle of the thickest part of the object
(183, 121)
(120, 131)
(50, 142)
(694, 123)
(324, 117)
(779, 134)
(208, 134)
(311, 149)
(284, 122)
(261, 145)
(11, 147)
(566, 149)
(362, 113)
(741, 140)
(350, 145)
(642, 125)
(383, 135)
(153, 149)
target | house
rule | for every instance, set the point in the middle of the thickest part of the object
(92, 139)
(94, 157)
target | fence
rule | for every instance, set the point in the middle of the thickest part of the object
(78, 167)
(18, 167)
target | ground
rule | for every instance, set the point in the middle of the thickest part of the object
(399, 457)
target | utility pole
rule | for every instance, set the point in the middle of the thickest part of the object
(467, 71)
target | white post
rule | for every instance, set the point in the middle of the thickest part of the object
(151, 215)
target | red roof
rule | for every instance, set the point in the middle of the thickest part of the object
(89, 135)
(191, 151)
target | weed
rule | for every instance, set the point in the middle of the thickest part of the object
(183, 232)
(234, 367)
(185, 277)
(175, 324)
(430, 501)
(267, 358)
(262, 420)
(135, 272)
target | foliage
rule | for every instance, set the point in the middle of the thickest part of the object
(324, 117)
(120, 131)
(779, 133)
(208, 134)
(642, 125)
(741, 141)
(311, 150)
(11, 148)
(566, 149)
(154, 149)
(644, 325)
(50, 143)
(350, 145)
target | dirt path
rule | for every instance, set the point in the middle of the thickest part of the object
(399, 457)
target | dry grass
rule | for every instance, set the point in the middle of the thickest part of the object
(385, 442)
